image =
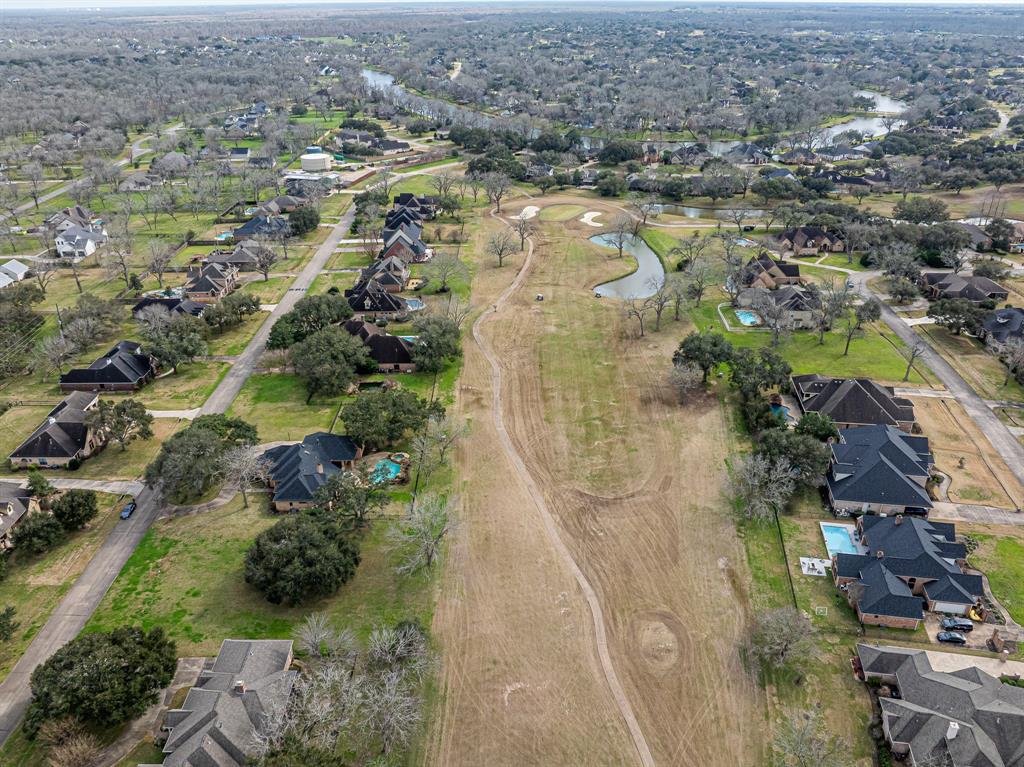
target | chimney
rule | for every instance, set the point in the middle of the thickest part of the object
(952, 731)
(319, 468)
(899, 520)
(879, 554)
(239, 687)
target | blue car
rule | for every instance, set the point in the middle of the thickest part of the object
(128, 510)
(951, 637)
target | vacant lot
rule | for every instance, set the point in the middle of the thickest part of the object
(35, 585)
(634, 482)
(275, 403)
(1000, 555)
(982, 370)
(978, 473)
(187, 575)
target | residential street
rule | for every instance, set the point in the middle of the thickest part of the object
(222, 397)
(995, 430)
(76, 608)
(85, 595)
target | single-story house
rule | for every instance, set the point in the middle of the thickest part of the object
(370, 301)
(284, 203)
(393, 354)
(799, 156)
(1017, 239)
(747, 154)
(1003, 326)
(799, 304)
(236, 697)
(810, 240)
(211, 282)
(765, 272)
(124, 368)
(266, 226)
(386, 146)
(962, 718)
(948, 285)
(780, 174)
(297, 471)
(239, 154)
(907, 565)
(172, 305)
(980, 240)
(851, 402)
(346, 135)
(77, 243)
(263, 162)
(242, 257)
(15, 503)
(879, 470)
(63, 437)
(692, 155)
(14, 269)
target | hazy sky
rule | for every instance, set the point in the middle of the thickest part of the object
(98, 5)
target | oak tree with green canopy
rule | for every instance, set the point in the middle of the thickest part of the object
(102, 679)
(329, 361)
(705, 350)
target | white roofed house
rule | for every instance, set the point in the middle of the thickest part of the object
(15, 270)
(77, 243)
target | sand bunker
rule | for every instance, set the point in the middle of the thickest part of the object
(588, 218)
(528, 212)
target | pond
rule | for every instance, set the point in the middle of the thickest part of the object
(718, 214)
(645, 281)
(884, 104)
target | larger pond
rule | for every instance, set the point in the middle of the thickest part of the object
(716, 214)
(645, 281)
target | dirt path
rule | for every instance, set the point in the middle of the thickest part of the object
(595, 595)
(643, 750)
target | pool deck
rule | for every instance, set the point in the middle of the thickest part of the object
(742, 328)
(850, 528)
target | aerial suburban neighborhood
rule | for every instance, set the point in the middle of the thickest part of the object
(494, 384)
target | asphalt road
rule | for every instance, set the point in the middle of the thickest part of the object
(222, 397)
(995, 430)
(75, 609)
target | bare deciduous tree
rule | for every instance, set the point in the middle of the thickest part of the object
(443, 183)
(621, 232)
(524, 228)
(776, 317)
(636, 309)
(445, 267)
(265, 255)
(55, 351)
(781, 636)
(496, 186)
(1012, 353)
(803, 739)
(44, 272)
(418, 537)
(684, 380)
(660, 300)
(501, 245)
(160, 256)
(247, 464)
(762, 486)
(910, 355)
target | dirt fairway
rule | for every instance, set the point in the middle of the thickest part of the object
(633, 482)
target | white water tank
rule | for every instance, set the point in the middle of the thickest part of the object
(315, 162)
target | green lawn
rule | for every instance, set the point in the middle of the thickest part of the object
(130, 463)
(187, 575)
(982, 370)
(348, 260)
(837, 259)
(340, 280)
(561, 212)
(1002, 560)
(874, 356)
(234, 340)
(188, 388)
(268, 291)
(276, 404)
(35, 584)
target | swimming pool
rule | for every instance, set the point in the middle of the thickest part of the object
(223, 236)
(386, 470)
(839, 539)
(414, 304)
(410, 339)
(780, 410)
(744, 242)
(747, 318)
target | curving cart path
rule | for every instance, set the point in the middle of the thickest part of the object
(550, 526)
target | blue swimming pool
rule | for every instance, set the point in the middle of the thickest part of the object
(780, 410)
(410, 339)
(386, 470)
(747, 318)
(414, 303)
(839, 539)
(223, 236)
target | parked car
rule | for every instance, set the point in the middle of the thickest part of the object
(956, 624)
(951, 637)
(129, 509)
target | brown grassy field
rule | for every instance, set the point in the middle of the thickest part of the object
(634, 482)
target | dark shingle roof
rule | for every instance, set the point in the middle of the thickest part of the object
(63, 434)
(124, 364)
(370, 297)
(875, 464)
(988, 715)
(1005, 324)
(299, 470)
(172, 305)
(852, 400)
(385, 349)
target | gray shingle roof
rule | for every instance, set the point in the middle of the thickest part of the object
(988, 716)
(218, 723)
(877, 464)
(852, 400)
(63, 434)
(124, 364)
(298, 471)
